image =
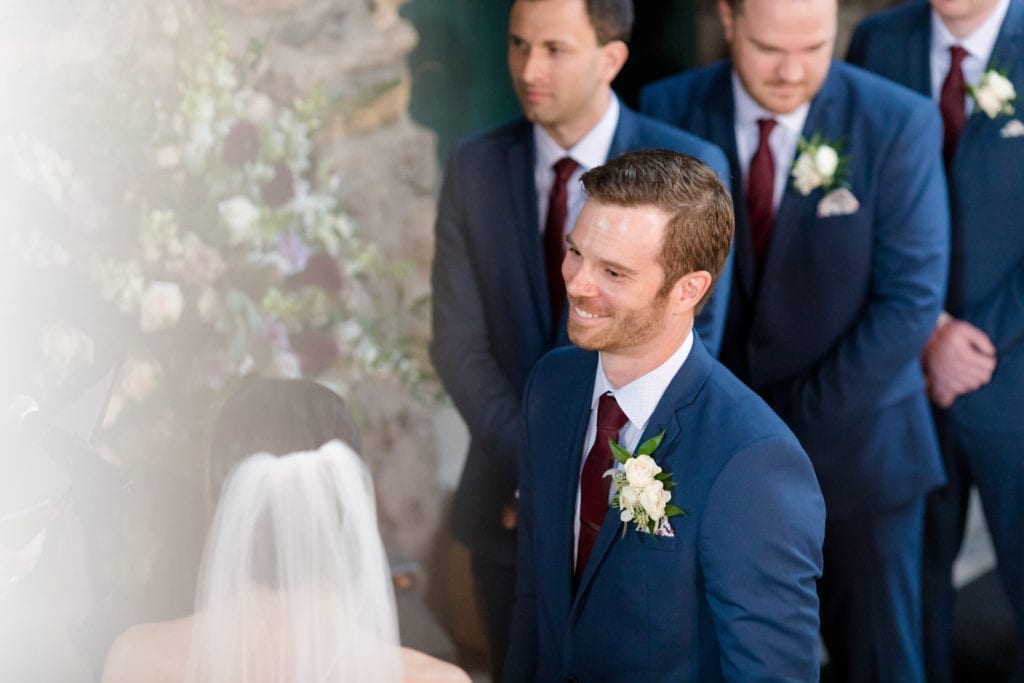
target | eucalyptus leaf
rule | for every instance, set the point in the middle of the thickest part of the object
(649, 446)
(620, 453)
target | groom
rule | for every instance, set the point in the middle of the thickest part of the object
(726, 591)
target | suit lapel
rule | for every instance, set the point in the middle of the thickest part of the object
(519, 166)
(796, 210)
(681, 392)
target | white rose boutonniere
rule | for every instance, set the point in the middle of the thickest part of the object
(993, 94)
(641, 489)
(818, 164)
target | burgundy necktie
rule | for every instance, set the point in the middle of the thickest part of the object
(594, 486)
(761, 191)
(554, 238)
(951, 103)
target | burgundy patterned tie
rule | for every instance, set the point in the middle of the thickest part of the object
(951, 103)
(554, 238)
(594, 486)
(761, 191)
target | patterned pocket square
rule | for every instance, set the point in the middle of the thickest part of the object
(1013, 129)
(839, 202)
(665, 529)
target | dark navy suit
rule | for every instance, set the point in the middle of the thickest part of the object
(491, 313)
(830, 337)
(730, 597)
(983, 432)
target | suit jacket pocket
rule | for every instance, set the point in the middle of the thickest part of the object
(637, 539)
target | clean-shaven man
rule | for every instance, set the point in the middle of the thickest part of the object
(724, 592)
(974, 360)
(842, 246)
(508, 197)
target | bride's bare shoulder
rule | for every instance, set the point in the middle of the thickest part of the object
(419, 667)
(150, 652)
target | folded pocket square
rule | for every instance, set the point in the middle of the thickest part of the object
(664, 529)
(1013, 129)
(838, 202)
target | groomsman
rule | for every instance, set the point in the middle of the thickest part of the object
(508, 197)
(842, 249)
(974, 360)
(724, 592)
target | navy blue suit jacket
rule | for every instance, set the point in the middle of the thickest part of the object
(491, 314)
(730, 596)
(986, 183)
(830, 336)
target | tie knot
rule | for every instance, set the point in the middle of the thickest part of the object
(609, 415)
(563, 169)
(765, 128)
(956, 56)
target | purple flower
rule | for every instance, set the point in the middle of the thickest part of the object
(294, 251)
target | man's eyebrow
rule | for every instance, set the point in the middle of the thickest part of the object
(605, 263)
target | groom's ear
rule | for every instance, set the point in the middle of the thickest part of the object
(689, 290)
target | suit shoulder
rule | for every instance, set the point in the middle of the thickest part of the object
(879, 98)
(490, 141)
(670, 137)
(896, 20)
(743, 414)
(562, 364)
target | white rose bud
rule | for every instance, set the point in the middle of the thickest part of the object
(1001, 87)
(161, 306)
(241, 216)
(826, 160)
(654, 498)
(988, 101)
(641, 470)
(628, 497)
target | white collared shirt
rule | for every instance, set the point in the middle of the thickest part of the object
(638, 399)
(978, 43)
(782, 140)
(590, 151)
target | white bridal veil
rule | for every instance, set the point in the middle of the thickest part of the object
(295, 585)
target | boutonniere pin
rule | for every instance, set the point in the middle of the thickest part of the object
(993, 93)
(819, 164)
(641, 489)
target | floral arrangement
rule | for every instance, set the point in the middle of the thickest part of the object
(641, 489)
(818, 164)
(230, 254)
(993, 94)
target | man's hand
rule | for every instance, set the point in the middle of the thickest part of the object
(510, 515)
(958, 358)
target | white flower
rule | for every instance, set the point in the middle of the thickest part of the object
(161, 306)
(641, 470)
(805, 174)
(285, 364)
(993, 94)
(628, 497)
(242, 217)
(826, 160)
(654, 498)
(208, 305)
(139, 379)
(168, 156)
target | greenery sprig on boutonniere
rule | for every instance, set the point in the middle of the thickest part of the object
(993, 93)
(641, 489)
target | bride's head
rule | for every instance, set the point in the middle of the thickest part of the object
(294, 579)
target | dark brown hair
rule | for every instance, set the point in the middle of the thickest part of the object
(699, 232)
(611, 19)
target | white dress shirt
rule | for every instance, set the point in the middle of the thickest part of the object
(978, 43)
(638, 399)
(590, 151)
(782, 140)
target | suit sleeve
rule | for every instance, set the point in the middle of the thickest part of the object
(1001, 314)
(460, 348)
(521, 660)
(872, 362)
(760, 553)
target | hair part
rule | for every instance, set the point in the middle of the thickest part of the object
(699, 231)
